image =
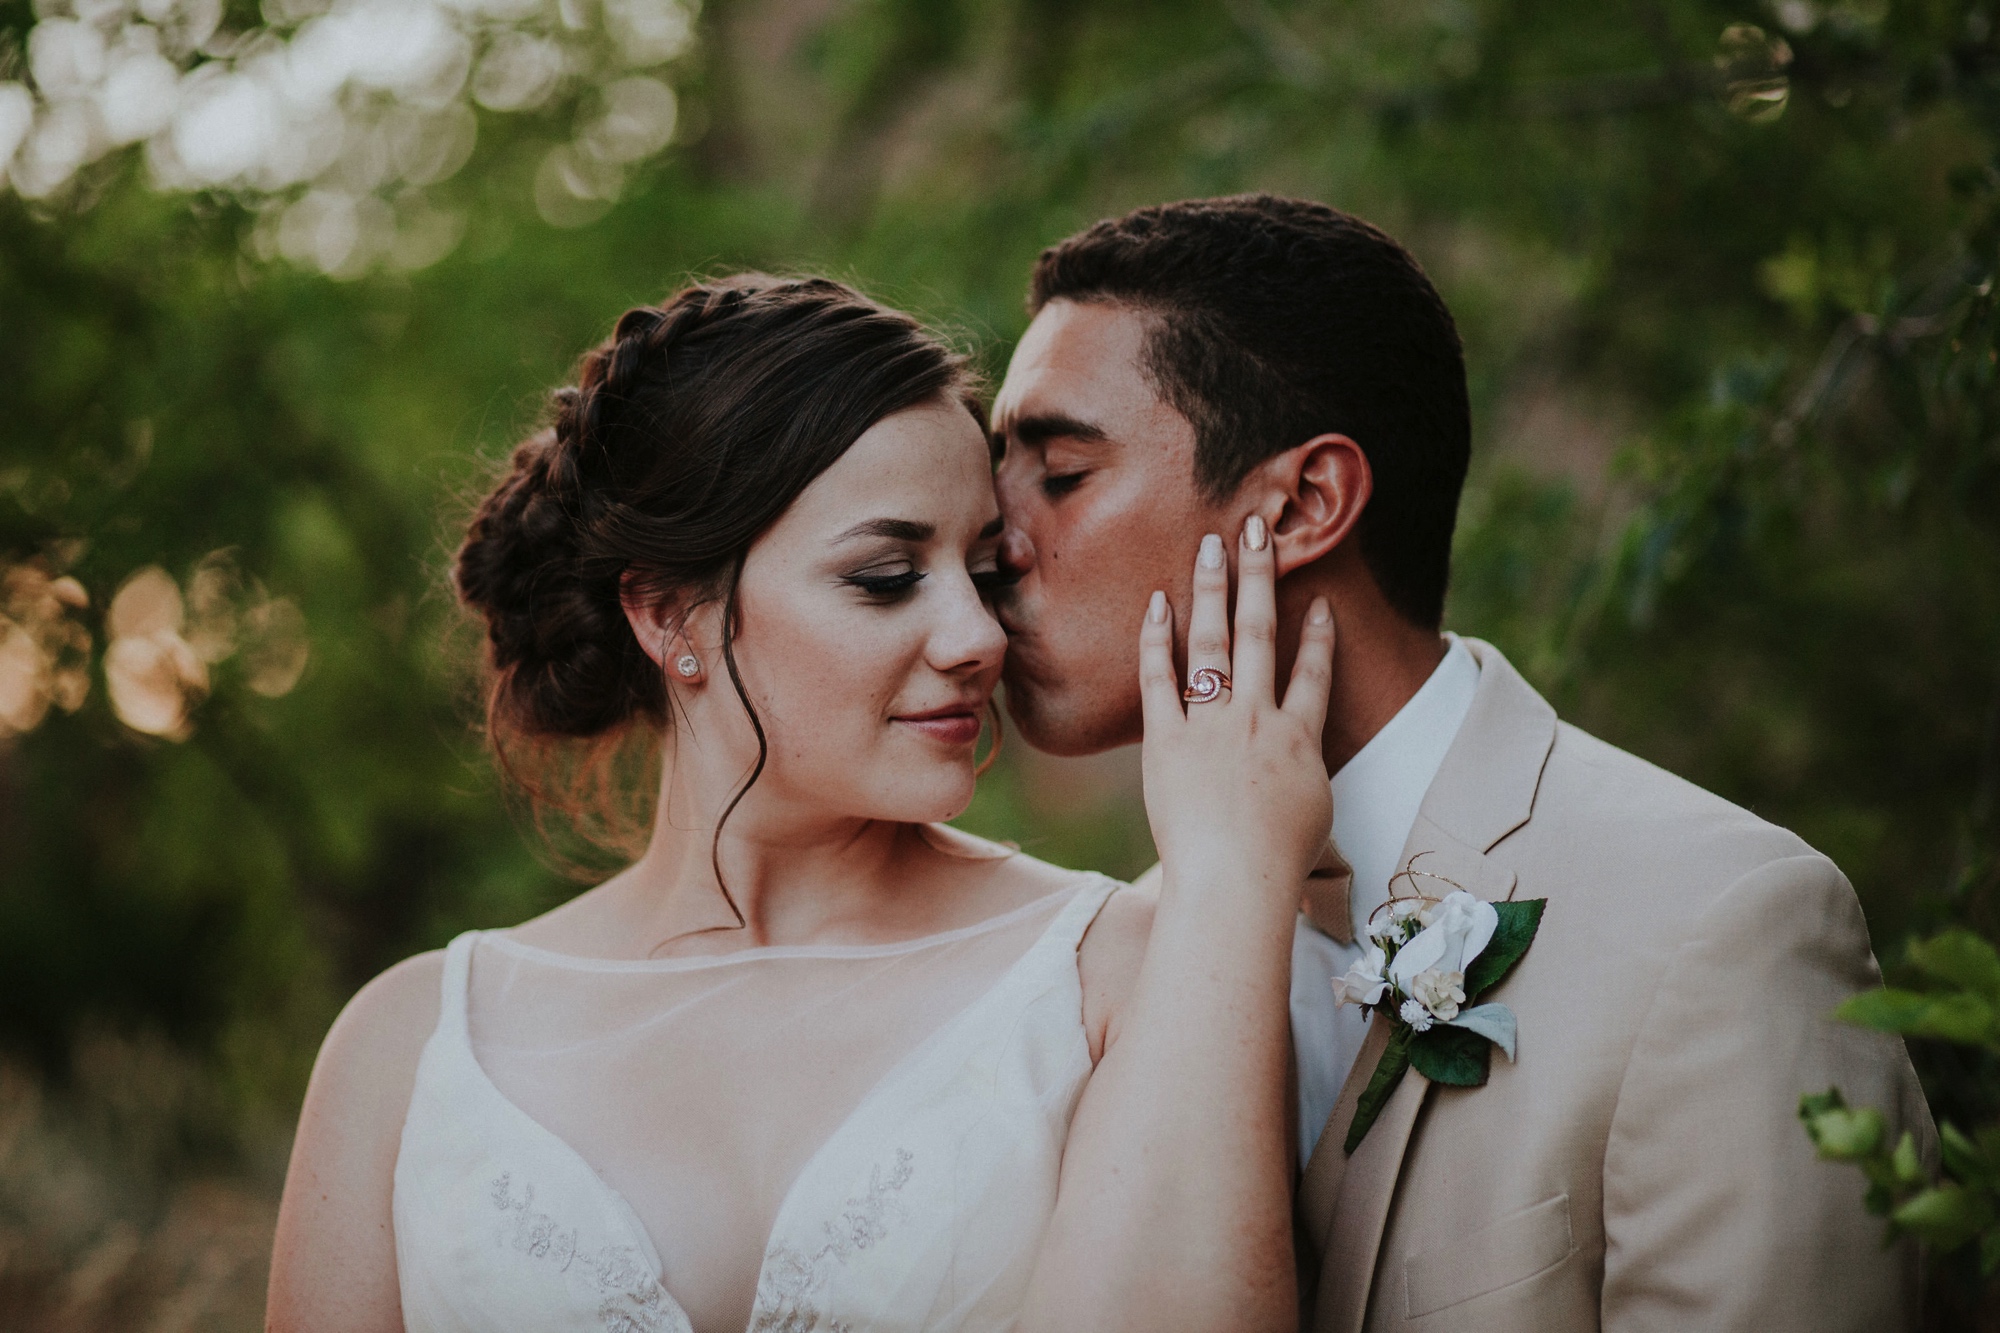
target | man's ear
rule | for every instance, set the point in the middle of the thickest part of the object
(1318, 490)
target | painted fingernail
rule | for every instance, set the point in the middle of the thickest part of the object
(1211, 552)
(1320, 613)
(1254, 535)
(1156, 610)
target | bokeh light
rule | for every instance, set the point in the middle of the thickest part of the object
(335, 118)
(44, 653)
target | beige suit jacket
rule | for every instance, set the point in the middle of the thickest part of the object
(1641, 1165)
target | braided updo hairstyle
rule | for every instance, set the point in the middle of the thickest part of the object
(684, 438)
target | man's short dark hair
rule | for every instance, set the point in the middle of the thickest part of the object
(1282, 319)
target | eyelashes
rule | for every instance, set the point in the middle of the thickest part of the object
(1061, 484)
(894, 587)
(885, 587)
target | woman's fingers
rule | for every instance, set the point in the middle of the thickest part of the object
(1312, 670)
(1208, 621)
(1159, 687)
(1256, 647)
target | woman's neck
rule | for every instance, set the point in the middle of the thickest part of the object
(795, 874)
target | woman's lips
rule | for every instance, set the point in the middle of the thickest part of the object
(953, 727)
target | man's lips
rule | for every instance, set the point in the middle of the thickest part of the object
(957, 724)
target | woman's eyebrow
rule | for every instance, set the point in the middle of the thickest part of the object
(896, 529)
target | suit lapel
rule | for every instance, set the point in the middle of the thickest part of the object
(1484, 790)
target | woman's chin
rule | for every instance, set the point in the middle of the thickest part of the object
(939, 793)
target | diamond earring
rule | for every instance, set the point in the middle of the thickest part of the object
(688, 665)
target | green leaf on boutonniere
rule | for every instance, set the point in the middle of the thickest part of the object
(1451, 1056)
(1389, 1071)
(1518, 923)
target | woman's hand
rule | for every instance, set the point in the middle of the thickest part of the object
(1236, 788)
(1174, 1209)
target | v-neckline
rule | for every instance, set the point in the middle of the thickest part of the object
(461, 1031)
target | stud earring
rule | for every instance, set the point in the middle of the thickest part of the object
(688, 665)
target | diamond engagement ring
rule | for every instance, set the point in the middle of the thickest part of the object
(1205, 685)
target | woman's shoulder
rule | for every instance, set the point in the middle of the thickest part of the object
(400, 1003)
(369, 1058)
(333, 1245)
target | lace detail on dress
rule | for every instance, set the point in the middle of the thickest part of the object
(787, 1291)
(631, 1300)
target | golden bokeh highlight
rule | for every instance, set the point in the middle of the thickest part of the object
(160, 643)
(153, 674)
(44, 652)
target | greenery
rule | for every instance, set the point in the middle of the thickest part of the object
(1725, 273)
(1961, 1005)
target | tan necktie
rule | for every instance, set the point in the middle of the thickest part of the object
(1328, 889)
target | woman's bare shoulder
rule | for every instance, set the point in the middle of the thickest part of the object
(367, 1065)
(333, 1262)
(392, 1016)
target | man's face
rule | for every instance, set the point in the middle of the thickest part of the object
(1096, 484)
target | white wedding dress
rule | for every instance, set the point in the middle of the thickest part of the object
(867, 1138)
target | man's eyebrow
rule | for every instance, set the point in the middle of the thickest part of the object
(1046, 426)
(896, 529)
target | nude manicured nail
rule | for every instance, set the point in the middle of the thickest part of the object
(1254, 535)
(1211, 552)
(1320, 613)
(1156, 610)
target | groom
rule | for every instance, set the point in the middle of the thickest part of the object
(1641, 1164)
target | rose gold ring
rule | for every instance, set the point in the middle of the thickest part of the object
(1205, 685)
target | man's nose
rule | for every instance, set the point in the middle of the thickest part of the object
(1017, 553)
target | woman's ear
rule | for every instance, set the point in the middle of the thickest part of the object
(663, 629)
(1319, 489)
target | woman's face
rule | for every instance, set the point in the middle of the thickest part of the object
(864, 636)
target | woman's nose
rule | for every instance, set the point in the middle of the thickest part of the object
(969, 638)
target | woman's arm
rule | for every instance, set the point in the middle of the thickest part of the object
(333, 1265)
(1174, 1210)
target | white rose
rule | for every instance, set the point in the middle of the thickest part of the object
(1364, 982)
(1461, 926)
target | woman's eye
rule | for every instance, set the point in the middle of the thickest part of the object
(1060, 484)
(886, 586)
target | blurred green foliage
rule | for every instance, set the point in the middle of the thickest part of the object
(1960, 1004)
(1724, 271)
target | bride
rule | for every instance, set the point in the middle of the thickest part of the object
(816, 1061)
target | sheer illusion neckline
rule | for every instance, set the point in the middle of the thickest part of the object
(697, 962)
(1070, 920)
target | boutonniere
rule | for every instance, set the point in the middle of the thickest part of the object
(1426, 963)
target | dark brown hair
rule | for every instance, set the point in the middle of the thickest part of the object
(684, 438)
(1282, 319)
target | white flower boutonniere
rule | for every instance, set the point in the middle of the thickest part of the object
(1426, 963)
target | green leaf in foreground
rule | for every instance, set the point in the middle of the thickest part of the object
(1841, 1134)
(1962, 1017)
(1965, 1159)
(1389, 1071)
(1946, 1215)
(1961, 958)
(1518, 923)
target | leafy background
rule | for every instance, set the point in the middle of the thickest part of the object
(1725, 277)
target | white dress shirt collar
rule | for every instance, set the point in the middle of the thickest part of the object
(1377, 793)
